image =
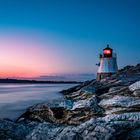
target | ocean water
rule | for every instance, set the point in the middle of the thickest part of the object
(16, 98)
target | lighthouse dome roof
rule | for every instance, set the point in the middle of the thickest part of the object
(107, 48)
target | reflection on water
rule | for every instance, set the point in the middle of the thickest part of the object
(15, 98)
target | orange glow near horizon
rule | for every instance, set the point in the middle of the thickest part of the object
(27, 55)
(22, 58)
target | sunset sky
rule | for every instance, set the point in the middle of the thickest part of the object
(48, 37)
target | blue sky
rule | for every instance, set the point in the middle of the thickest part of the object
(71, 32)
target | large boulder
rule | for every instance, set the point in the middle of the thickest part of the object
(120, 101)
(87, 103)
(58, 115)
(44, 131)
(137, 93)
(120, 104)
(117, 91)
(38, 112)
(88, 89)
(90, 103)
(132, 116)
(10, 130)
(135, 86)
(43, 113)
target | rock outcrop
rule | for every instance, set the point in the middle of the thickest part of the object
(98, 110)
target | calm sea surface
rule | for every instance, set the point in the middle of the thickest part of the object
(15, 98)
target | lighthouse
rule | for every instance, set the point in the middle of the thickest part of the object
(107, 64)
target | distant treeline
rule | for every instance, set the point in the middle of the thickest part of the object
(36, 82)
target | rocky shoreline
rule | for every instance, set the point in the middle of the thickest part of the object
(98, 110)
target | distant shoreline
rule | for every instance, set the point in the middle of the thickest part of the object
(20, 81)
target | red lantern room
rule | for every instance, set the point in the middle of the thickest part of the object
(108, 51)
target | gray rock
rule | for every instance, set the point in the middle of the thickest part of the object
(69, 133)
(60, 103)
(15, 131)
(38, 112)
(133, 116)
(120, 101)
(88, 103)
(115, 89)
(88, 90)
(101, 128)
(44, 131)
(137, 93)
(123, 91)
(135, 86)
(134, 134)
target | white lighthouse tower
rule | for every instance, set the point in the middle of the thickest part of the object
(107, 64)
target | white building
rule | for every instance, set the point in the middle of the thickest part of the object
(107, 64)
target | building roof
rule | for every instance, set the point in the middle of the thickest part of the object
(107, 48)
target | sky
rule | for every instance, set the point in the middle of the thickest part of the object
(52, 37)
